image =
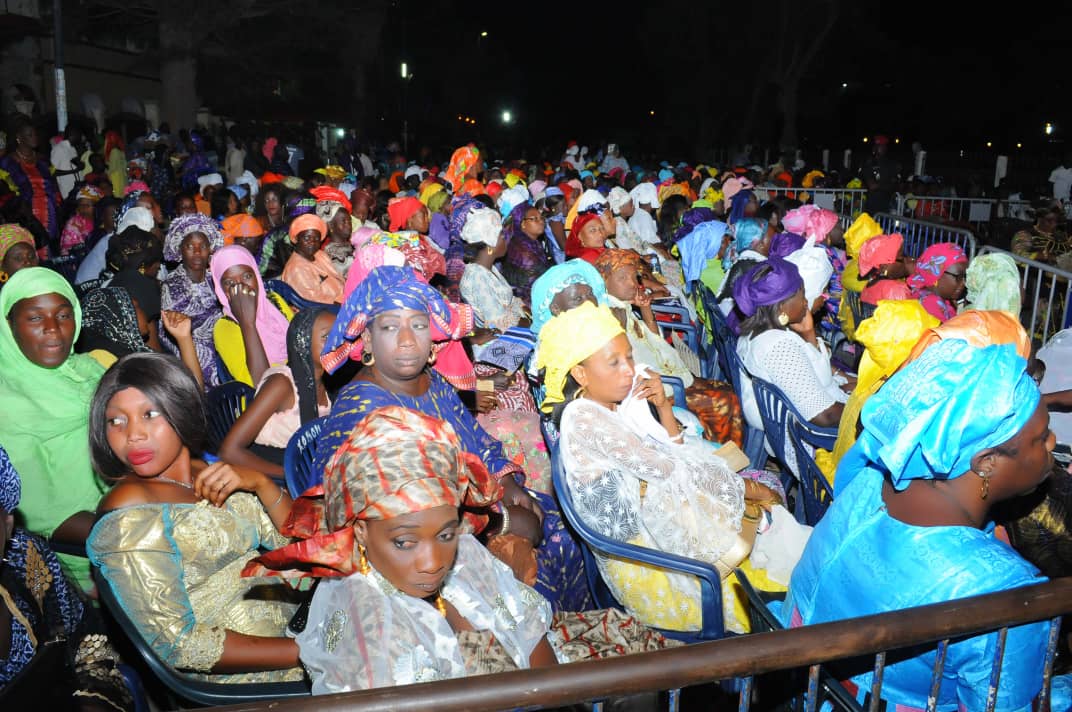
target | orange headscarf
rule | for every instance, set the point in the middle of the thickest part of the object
(240, 225)
(464, 160)
(979, 329)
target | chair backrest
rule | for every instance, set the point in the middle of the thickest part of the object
(210, 694)
(225, 403)
(678, 385)
(591, 541)
(291, 297)
(852, 298)
(299, 455)
(788, 432)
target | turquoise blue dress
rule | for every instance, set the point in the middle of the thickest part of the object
(861, 561)
(560, 576)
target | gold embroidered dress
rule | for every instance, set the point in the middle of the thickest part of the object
(176, 570)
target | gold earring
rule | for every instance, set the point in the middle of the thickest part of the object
(367, 358)
(491, 250)
(985, 492)
(441, 605)
(783, 319)
(432, 357)
(579, 393)
(363, 565)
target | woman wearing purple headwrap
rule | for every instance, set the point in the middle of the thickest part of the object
(779, 345)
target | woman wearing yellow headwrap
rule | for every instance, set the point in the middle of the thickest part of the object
(646, 481)
(861, 230)
(888, 336)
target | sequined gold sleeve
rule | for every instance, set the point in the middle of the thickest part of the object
(138, 556)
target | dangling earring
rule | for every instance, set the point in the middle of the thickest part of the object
(783, 318)
(432, 357)
(491, 250)
(363, 565)
(367, 358)
(579, 393)
(441, 605)
(985, 492)
(3, 276)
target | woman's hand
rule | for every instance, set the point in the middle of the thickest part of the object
(760, 494)
(486, 401)
(651, 389)
(481, 335)
(178, 325)
(219, 480)
(514, 495)
(642, 298)
(243, 301)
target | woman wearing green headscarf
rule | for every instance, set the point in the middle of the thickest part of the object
(45, 389)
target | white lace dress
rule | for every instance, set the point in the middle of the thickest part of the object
(682, 499)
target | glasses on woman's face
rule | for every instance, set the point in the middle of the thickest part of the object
(958, 278)
(533, 218)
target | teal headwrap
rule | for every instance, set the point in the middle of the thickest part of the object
(934, 415)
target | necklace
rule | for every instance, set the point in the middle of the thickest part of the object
(187, 485)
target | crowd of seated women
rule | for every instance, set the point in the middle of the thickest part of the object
(452, 338)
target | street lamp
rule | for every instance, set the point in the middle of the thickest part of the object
(484, 33)
(507, 117)
(405, 69)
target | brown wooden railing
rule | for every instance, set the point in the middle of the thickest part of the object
(738, 657)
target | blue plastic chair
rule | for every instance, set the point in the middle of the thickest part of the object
(299, 455)
(209, 694)
(781, 420)
(710, 583)
(679, 390)
(294, 299)
(224, 404)
(692, 332)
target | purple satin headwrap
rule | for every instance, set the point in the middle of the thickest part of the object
(691, 218)
(778, 284)
(784, 244)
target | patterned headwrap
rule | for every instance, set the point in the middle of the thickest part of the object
(554, 280)
(395, 462)
(617, 198)
(483, 226)
(329, 202)
(384, 289)
(306, 222)
(784, 244)
(240, 225)
(12, 234)
(993, 282)
(879, 250)
(401, 210)
(861, 230)
(186, 224)
(92, 193)
(460, 208)
(612, 260)
(271, 324)
(935, 414)
(109, 322)
(461, 161)
(10, 484)
(810, 221)
(780, 280)
(568, 339)
(933, 263)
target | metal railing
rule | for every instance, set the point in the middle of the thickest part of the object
(921, 234)
(742, 657)
(964, 210)
(1046, 290)
(847, 201)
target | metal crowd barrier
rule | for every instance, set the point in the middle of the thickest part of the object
(1046, 289)
(965, 210)
(921, 234)
(847, 201)
(742, 657)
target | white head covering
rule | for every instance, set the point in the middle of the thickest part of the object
(589, 199)
(815, 269)
(414, 171)
(617, 198)
(645, 193)
(572, 150)
(511, 198)
(347, 188)
(483, 225)
(705, 185)
(207, 180)
(250, 181)
(137, 216)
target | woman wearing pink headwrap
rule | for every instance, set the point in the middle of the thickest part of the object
(882, 261)
(939, 279)
(252, 336)
(309, 270)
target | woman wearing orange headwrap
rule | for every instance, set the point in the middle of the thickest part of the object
(465, 164)
(309, 269)
(245, 230)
